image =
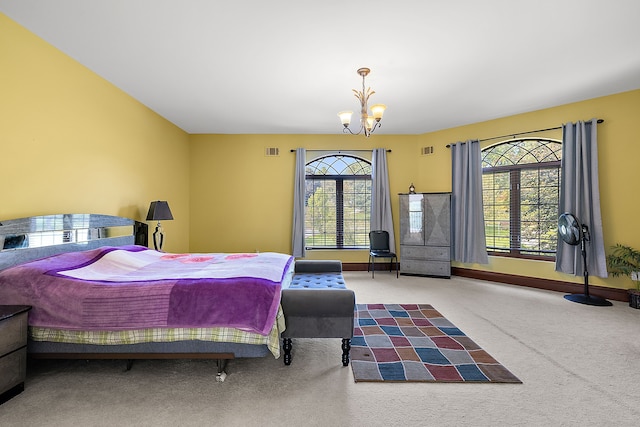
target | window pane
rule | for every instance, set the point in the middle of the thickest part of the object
(502, 181)
(357, 208)
(528, 196)
(521, 152)
(529, 179)
(549, 177)
(496, 199)
(529, 226)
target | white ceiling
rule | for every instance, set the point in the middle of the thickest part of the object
(288, 66)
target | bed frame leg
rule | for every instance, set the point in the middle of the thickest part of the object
(346, 348)
(286, 346)
(221, 375)
(129, 364)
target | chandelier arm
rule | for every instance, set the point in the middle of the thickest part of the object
(346, 129)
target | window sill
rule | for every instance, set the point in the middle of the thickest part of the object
(531, 257)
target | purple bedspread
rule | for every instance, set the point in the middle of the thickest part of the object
(131, 287)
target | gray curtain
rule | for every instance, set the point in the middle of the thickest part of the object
(468, 238)
(381, 217)
(580, 196)
(297, 243)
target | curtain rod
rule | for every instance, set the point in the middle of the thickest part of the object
(513, 135)
(293, 150)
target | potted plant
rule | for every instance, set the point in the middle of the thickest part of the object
(625, 261)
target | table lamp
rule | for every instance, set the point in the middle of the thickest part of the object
(159, 211)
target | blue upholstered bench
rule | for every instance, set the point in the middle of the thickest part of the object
(328, 280)
(318, 304)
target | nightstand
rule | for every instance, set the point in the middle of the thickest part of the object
(13, 350)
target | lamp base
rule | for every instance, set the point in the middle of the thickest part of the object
(158, 238)
(588, 300)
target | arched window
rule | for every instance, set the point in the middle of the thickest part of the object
(337, 202)
(521, 188)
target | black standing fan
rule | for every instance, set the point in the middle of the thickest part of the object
(573, 233)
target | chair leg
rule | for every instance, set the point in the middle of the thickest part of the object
(373, 267)
(397, 268)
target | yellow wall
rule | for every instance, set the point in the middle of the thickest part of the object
(618, 151)
(71, 142)
(242, 200)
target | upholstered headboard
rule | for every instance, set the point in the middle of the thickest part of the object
(27, 239)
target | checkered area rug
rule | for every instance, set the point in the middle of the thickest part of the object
(414, 342)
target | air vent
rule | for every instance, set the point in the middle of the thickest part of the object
(426, 150)
(272, 151)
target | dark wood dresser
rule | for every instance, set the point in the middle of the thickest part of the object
(13, 349)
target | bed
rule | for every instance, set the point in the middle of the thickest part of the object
(95, 293)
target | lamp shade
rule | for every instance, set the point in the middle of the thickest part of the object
(369, 123)
(378, 110)
(159, 211)
(345, 117)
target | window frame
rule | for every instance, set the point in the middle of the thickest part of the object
(339, 180)
(515, 171)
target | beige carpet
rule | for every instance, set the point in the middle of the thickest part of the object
(580, 366)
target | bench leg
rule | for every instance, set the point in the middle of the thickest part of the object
(221, 375)
(346, 348)
(286, 346)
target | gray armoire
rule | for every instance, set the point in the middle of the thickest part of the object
(425, 234)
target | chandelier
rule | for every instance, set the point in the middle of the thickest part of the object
(368, 123)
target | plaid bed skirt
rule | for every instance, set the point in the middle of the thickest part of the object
(135, 336)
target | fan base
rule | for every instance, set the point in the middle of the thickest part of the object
(588, 299)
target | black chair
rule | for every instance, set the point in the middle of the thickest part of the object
(379, 248)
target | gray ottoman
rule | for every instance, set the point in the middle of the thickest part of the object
(318, 305)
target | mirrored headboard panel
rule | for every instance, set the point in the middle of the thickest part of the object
(27, 239)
